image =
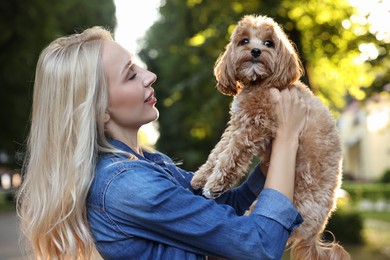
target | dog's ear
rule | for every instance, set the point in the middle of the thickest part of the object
(225, 74)
(289, 68)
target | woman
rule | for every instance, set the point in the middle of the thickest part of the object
(89, 183)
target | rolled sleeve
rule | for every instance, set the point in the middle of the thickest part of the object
(276, 206)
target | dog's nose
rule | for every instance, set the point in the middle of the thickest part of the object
(255, 52)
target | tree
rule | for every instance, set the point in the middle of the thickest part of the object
(182, 46)
(335, 40)
(27, 27)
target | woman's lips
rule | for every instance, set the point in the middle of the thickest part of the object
(151, 99)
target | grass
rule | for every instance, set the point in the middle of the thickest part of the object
(377, 235)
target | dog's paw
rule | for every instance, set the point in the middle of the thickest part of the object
(212, 194)
(198, 181)
(213, 189)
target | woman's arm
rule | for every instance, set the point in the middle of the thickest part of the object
(240, 198)
(145, 202)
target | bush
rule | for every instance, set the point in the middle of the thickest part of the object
(7, 201)
(346, 226)
(386, 177)
(371, 191)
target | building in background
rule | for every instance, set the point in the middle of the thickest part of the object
(365, 133)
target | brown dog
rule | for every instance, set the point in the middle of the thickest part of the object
(259, 57)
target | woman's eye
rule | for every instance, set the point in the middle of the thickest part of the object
(133, 76)
(244, 41)
(269, 43)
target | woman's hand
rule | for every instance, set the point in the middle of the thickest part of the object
(291, 112)
(264, 163)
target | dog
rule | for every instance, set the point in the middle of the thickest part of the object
(258, 57)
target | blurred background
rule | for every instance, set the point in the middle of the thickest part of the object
(344, 46)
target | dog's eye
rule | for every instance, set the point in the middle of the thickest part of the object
(244, 41)
(269, 43)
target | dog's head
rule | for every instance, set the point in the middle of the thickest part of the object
(258, 51)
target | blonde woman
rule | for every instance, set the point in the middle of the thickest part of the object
(89, 183)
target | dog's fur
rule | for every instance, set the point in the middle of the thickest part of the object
(259, 57)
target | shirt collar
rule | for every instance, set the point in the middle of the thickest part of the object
(124, 147)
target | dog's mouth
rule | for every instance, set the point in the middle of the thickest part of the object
(255, 61)
(253, 71)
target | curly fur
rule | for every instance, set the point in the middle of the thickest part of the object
(258, 57)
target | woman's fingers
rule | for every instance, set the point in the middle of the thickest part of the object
(275, 95)
(294, 94)
(290, 109)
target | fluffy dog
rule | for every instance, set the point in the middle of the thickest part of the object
(259, 57)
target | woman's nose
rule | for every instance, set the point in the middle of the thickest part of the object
(150, 78)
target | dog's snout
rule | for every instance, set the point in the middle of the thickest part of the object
(255, 52)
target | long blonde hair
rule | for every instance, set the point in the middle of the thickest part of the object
(67, 132)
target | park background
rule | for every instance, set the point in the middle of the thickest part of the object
(343, 44)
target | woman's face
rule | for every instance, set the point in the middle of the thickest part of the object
(130, 95)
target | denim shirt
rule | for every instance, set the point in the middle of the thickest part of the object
(147, 209)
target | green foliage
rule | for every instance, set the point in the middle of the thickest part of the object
(183, 45)
(377, 215)
(371, 191)
(330, 49)
(26, 28)
(7, 201)
(346, 226)
(181, 48)
(335, 38)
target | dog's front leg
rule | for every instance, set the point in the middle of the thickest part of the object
(233, 161)
(200, 177)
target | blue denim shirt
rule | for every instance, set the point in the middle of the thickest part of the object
(147, 209)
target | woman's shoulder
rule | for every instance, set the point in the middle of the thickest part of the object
(120, 162)
(116, 176)
(120, 170)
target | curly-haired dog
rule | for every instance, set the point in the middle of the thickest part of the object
(259, 57)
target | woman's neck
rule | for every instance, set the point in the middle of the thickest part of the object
(133, 144)
(130, 138)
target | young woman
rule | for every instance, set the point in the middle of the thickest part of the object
(89, 183)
